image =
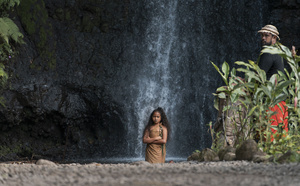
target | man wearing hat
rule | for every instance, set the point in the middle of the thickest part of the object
(270, 63)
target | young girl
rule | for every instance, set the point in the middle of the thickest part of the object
(156, 134)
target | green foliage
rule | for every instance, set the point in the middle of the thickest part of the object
(8, 4)
(256, 94)
(9, 30)
(197, 151)
(216, 139)
(9, 35)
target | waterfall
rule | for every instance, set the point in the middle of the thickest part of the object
(166, 63)
(154, 81)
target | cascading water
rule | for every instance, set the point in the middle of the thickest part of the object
(154, 85)
(167, 64)
(163, 80)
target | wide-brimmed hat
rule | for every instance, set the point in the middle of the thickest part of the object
(270, 29)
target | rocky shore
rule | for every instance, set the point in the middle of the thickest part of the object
(222, 173)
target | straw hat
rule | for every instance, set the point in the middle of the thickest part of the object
(270, 29)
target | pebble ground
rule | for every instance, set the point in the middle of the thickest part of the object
(142, 173)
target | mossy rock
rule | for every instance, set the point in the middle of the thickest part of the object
(228, 149)
(194, 157)
(247, 150)
(35, 21)
(289, 157)
(205, 155)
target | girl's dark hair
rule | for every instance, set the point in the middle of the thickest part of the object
(164, 121)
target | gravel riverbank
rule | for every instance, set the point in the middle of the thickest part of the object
(143, 173)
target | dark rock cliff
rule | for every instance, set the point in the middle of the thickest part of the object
(64, 98)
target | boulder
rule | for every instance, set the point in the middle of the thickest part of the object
(247, 150)
(209, 155)
(194, 157)
(289, 157)
(205, 155)
(223, 152)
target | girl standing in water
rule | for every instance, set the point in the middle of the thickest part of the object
(155, 135)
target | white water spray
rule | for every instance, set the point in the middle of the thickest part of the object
(154, 86)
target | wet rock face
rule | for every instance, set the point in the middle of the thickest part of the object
(56, 104)
(285, 15)
(74, 82)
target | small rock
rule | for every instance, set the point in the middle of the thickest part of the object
(247, 150)
(45, 162)
(208, 155)
(229, 156)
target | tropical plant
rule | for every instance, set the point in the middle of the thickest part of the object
(9, 31)
(9, 35)
(252, 98)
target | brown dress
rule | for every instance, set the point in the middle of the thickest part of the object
(155, 153)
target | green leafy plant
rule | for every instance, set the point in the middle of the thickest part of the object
(251, 99)
(216, 139)
(9, 35)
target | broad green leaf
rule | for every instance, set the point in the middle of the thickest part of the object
(233, 72)
(225, 69)
(291, 92)
(254, 76)
(243, 63)
(286, 50)
(266, 91)
(244, 70)
(9, 30)
(283, 76)
(279, 98)
(216, 103)
(282, 85)
(234, 97)
(222, 75)
(222, 95)
(262, 75)
(222, 89)
(254, 65)
(257, 94)
(271, 50)
(273, 79)
(240, 92)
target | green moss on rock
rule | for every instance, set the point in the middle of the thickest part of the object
(34, 18)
